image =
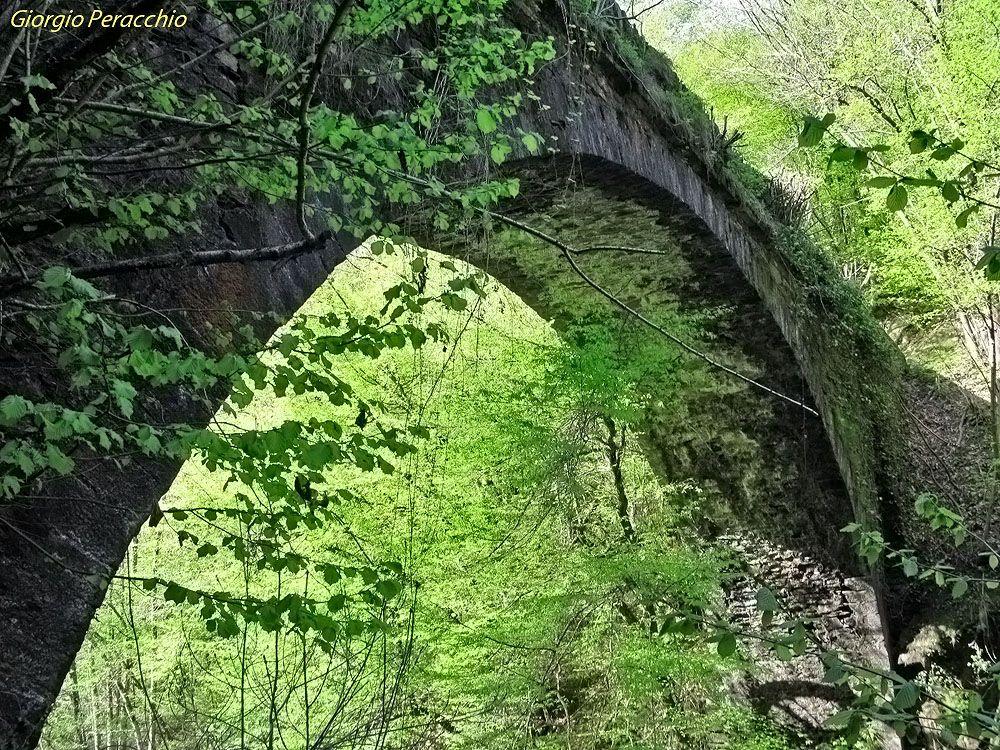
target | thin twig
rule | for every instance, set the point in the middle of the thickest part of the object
(568, 253)
(14, 258)
(307, 94)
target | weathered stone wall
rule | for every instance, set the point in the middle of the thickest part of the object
(604, 107)
(770, 489)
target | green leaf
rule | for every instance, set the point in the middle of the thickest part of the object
(812, 133)
(54, 276)
(989, 252)
(58, 461)
(882, 182)
(13, 407)
(840, 719)
(139, 337)
(317, 455)
(37, 81)
(990, 263)
(175, 593)
(485, 121)
(835, 673)
(766, 600)
(918, 141)
(394, 567)
(897, 198)
(962, 220)
(227, 627)
(727, 645)
(843, 153)
(959, 588)
(388, 588)
(530, 142)
(124, 393)
(906, 696)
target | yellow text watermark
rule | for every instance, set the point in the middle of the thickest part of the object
(96, 18)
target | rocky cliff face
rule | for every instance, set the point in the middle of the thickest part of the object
(601, 109)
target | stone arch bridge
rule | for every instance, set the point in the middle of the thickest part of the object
(628, 146)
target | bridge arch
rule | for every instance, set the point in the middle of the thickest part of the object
(619, 140)
(767, 483)
(586, 201)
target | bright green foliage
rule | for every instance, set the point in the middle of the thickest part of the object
(484, 579)
(914, 86)
(765, 123)
(250, 147)
(117, 353)
(103, 357)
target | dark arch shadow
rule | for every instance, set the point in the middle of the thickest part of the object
(796, 497)
(802, 705)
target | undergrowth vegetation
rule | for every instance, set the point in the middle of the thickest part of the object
(521, 617)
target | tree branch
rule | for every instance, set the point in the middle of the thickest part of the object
(12, 283)
(307, 94)
(568, 253)
(72, 56)
(13, 257)
(615, 453)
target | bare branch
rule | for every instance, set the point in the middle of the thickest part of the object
(13, 257)
(307, 94)
(115, 95)
(11, 283)
(568, 253)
